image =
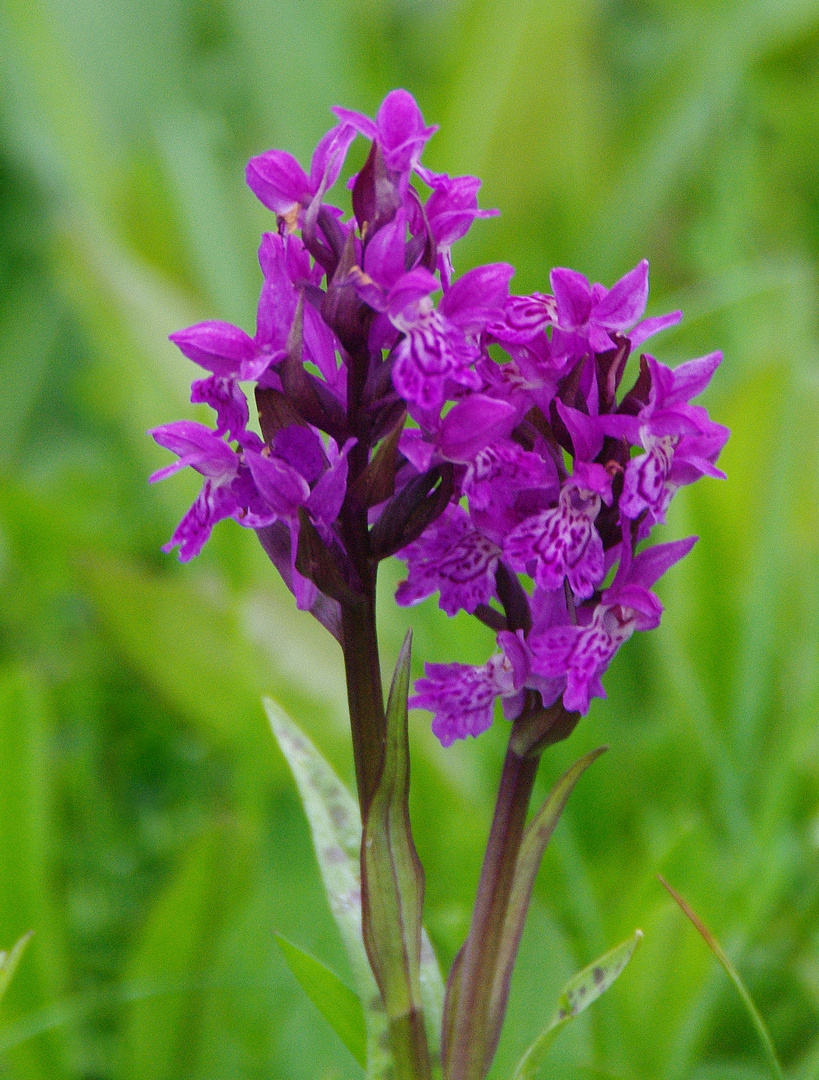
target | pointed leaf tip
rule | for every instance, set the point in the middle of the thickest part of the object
(578, 993)
(9, 961)
(336, 1002)
(391, 872)
(399, 687)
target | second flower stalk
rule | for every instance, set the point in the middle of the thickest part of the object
(522, 490)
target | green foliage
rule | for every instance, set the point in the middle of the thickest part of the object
(578, 993)
(736, 979)
(335, 827)
(336, 1002)
(538, 833)
(173, 954)
(394, 900)
(9, 959)
(142, 800)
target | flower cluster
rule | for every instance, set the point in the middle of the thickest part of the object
(387, 427)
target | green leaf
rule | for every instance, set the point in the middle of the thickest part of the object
(734, 976)
(336, 1002)
(576, 996)
(432, 997)
(535, 839)
(393, 879)
(9, 961)
(335, 825)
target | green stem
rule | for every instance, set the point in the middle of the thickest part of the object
(365, 696)
(408, 1041)
(410, 1051)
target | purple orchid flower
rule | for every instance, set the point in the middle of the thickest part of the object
(302, 472)
(439, 345)
(398, 128)
(523, 464)
(588, 315)
(432, 350)
(226, 398)
(450, 211)
(228, 351)
(503, 469)
(462, 697)
(681, 443)
(209, 455)
(524, 317)
(581, 653)
(563, 542)
(452, 558)
(279, 182)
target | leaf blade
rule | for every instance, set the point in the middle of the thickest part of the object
(578, 993)
(392, 876)
(335, 826)
(10, 959)
(336, 1002)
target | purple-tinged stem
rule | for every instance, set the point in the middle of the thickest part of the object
(466, 1053)
(364, 695)
(408, 1041)
(472, 1033)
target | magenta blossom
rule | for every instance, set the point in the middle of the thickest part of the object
(398, 128)
(589, 315)
(483, 437)
(278, 181)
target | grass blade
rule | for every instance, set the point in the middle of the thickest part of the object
(733, 975)
(161, 1037)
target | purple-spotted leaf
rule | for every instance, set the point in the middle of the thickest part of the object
(578, 993)
(335, 826)
(334, 820)
(392, 876)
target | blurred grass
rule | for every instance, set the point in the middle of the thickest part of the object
(148, 831)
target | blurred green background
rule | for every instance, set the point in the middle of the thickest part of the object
(149, 832)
